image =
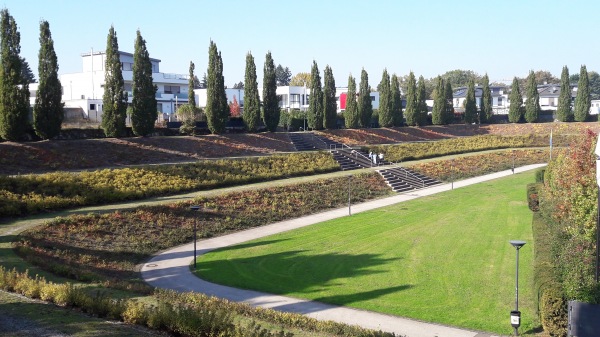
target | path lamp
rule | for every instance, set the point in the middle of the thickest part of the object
(597, 152)
(513, 160)
(452, 173)
(195, 208)
(515, 315)
(349, 186)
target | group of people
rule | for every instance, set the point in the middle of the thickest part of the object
(376, 158)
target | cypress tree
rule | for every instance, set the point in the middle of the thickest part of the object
(410, 113)
(329, 102)
(114, 100)
(470, 104)
(191, 94)
(396, 102)
(270, 102)
(365, 107)
(251, 113)
(315, 103)
(449, 103)
(386, 118)
(14, 89)
(516, 101)
(421, 102)
(438, 114)
(564, 112)
(48, 109)
(217, 110)
(351, 113)
(583, 100)
(486, 101)
(532, 105)
(143, 115)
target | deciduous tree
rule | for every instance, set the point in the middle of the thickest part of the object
(251, 113)
(329, 102)
(532, 105)
(143, 103)
(365, 106)
(516, 101)
(301, 80)
(582, 101)
(385, 101)
(315, 103)
(114, 100)
(396, 102)
(14, 91)
(48, 109)
(351, 118)
(270, 101)
(564, 112)
(234, 108)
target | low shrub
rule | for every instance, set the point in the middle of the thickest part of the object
(532, 196)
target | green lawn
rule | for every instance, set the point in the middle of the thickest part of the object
(443, 258)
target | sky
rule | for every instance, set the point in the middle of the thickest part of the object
(501, 38)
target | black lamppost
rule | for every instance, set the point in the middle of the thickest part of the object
(195, 208)
(515, 315)
(452, 173)
(513, 160)
(349, 186)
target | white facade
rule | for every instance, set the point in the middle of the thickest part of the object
(85, 89)
(238, 94)
(292, 97)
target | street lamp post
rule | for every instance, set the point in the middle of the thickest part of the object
(452, 174)
(515, 315)
(195, 208)
(513, 161)
(349, 186)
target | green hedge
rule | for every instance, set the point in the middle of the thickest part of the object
(28, 194)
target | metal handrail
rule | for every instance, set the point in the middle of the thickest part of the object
(407, 173)
(334, 146)
(319, 139)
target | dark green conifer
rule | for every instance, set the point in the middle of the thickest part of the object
(329, 102)
(191, 94)
(449, 103)
(396, 102)
(422, 110)
(251, 113)
(410, 113)
(315, 103)
(351, 118)
(486, 101)
(583, 100)
(532, 105)
(217, 109)
(385, 101)
(270, 101)
(14, 89)
(438, 114)
(114, 100)
(564, 111)
(515, 111)
(48, 109)
(470, 103)
(143, 105)
(365, 105)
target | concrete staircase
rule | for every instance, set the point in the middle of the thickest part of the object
(307, 141)
(402, 179)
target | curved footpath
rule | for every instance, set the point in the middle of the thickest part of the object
(171, 270)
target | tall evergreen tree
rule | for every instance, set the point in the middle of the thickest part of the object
(365, 106)
(26, 73)
(191, 77)
(449, 103)
(143, 104)
(251, 113)
(385, 101)
(114, 100)
(516, 101)
(329, 102)
(48, 109)
(315, 102)
(486, 101)
(583, 100)
(410, 113)
(351, 118)
(217, 110)
(470, 103)
(438, 114)
(14, 89)
(532, 105)
(270, 101)
(422, 110)
(564, 112)
(396, 102)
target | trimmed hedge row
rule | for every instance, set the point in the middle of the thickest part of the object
(23, 195)
(188, 314)
(422, 150)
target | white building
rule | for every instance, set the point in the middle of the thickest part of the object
(499, 98)
(84, 90)
(238, 94)
(292, 97)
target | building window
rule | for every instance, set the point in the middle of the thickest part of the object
(500, 101)
(172, 89)
(295, 100)
(372, 98)
(92, 106)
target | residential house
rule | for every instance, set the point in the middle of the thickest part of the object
(499, 98)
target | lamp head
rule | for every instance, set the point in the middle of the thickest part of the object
(517, 243)
(195, 208)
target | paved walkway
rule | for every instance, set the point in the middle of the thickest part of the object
(171, 270)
